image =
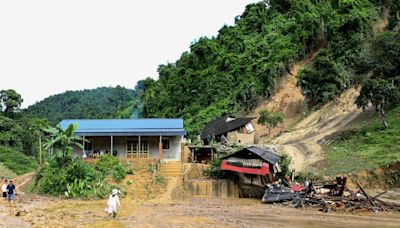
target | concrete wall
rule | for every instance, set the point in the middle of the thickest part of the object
(104, 143)
(173, 154)
(241, 138)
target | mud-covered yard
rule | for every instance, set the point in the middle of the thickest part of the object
(37, 211)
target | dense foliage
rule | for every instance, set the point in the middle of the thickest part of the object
(72, 177)
(380, 65)
(110, 166)
(229, 73)
(18, 143)
(100, 103)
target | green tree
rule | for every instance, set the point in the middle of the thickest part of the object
(270, 119)
(10, 101)
(380, 93)
(62, 141)
(37, 127)
(323, 80)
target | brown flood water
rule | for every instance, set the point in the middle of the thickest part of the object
(198, 212)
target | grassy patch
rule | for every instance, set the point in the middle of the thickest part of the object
(5, 172)
(364, 147)
(16, 161)
(160, 180)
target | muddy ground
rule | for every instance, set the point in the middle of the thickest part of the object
(38, 211)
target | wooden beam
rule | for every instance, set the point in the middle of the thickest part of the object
(140, 147)
(126, 149)
(182, 152)
(365, 194)
(160, 149)
(83, 148)
(112, 145)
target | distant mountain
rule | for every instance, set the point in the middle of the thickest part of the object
(100, 103)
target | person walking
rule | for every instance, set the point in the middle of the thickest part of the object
(4, 189)
(10, 193)
(113, 203)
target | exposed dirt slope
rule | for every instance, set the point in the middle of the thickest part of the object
(287, 98)
(302, 142)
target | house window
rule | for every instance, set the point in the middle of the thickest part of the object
(145, 145)
(132, 146)
(165, 144)
(249, 127)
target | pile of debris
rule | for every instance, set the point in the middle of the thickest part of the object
(328, 196)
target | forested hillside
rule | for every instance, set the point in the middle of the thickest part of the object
(233, 71)
(18, 136)
(100, 103)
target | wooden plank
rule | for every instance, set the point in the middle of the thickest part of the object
(365, 194)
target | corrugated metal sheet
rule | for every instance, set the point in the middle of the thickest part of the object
(127, 127)
(221, 125)
(252, 152)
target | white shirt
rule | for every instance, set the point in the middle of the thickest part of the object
(112, 204)
(113, 201)
(4, 187)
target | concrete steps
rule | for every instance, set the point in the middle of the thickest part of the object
(171, 169)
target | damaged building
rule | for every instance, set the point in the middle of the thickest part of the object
(252, 168)
(230, 129)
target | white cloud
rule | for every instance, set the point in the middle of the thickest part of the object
(48, 47)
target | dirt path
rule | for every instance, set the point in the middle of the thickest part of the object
(199, 212)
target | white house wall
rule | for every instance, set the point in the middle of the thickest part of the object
(103, 143)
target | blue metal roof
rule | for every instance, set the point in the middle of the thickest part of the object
(127, 127)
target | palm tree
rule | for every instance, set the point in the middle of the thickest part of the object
(63, 141)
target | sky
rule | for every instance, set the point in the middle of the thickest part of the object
(49, 47)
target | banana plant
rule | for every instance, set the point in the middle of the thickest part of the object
(63, 140)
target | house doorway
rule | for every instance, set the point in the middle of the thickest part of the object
(132, 149)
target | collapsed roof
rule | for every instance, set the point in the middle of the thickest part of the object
(223, 125)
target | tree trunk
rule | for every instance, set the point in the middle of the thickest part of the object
(269, 130)
(382, 116)
(40, 149)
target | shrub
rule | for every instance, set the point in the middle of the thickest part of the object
(75, 179)
(109, 165)
(118, 172)
(302, 177)
(130, 171)
(285, 164)
(54, 180)
(129, 182)
(160, 180)
(106, 163)
(214, 171)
